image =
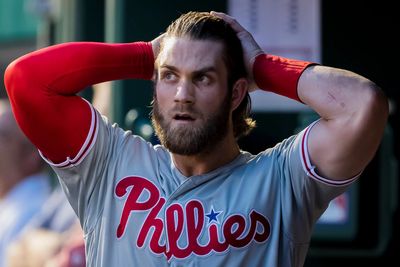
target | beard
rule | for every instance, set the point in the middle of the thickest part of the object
(190, 139)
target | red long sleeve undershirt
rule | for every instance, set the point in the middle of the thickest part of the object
(42, 88)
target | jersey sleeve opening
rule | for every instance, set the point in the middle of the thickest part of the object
(310, 169)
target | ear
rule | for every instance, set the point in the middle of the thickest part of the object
(239, 91)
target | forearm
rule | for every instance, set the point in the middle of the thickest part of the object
(336, 93)
(70, 67)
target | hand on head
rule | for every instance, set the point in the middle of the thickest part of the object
(156, 43)
(250, 47)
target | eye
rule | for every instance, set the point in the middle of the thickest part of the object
(203, 79)
(168, 76)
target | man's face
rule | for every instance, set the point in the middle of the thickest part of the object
(191, 111)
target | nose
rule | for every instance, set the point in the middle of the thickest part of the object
(184, 93)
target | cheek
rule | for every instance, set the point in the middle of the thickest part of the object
(164, 98)
(163, 94)
(214, 100)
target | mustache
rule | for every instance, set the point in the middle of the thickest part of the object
(179, 108)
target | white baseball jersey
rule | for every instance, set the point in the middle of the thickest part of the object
(137, 209)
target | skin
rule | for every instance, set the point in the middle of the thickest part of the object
(192, 81)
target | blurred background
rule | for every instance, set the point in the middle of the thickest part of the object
(359, 227)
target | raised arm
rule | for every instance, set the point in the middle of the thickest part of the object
(353, 109)
(42, 88)
(353, 114)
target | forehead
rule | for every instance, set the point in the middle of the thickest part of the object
(185, 53)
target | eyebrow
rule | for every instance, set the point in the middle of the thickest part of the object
(196, 72)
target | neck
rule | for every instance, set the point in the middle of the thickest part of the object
(208, 160)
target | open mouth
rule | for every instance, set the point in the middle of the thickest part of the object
(183, 117)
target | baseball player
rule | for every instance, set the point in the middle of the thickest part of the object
(197, 199)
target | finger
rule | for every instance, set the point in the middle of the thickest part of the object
(223, 16)
(156, 44)
(230, 20)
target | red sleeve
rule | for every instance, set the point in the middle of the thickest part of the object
(278, 74)
(42, 88)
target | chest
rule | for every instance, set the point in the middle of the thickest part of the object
(210, 217)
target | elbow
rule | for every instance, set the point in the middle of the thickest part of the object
(9, 77)
(16, 78)
(12, 76)
(378, 102)
(375, 106)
